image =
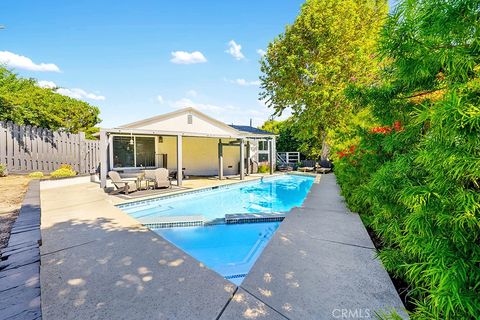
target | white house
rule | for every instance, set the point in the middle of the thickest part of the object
(187, 140)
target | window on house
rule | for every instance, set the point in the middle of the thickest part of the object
(139, 154)
(190, 119)
(262, 157)
(123, 152)
(263, 145)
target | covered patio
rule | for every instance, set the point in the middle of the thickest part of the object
(186, 142)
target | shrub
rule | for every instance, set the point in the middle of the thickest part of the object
(36, 175)
(66, 167)
(263, 168)
(414, 176)
(63, 171)
(3, 170)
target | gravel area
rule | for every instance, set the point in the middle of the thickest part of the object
(12, 191)
(6, 221)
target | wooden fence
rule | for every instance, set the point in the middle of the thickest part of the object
(28, 149)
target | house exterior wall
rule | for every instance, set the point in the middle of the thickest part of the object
(180, 123)
(200, 155)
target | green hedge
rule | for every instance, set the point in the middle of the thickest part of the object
(415, 175)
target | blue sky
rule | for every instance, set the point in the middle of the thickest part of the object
(118, 55)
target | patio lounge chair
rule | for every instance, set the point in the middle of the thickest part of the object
(124, 186)
(325, 166)
(159, 177)
(307, 166)
(284, 168)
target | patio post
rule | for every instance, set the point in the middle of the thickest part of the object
(220, 159)
(270, 151)
(249, 167)
(242, 159)
(103, 158)
(179, 160)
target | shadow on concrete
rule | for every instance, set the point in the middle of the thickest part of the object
(126, 273)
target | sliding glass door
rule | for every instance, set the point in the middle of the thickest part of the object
(145, 151)
(131, 152)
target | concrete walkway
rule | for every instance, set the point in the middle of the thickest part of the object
(320, 264)
(98, 263)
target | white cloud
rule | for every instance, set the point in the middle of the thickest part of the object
(235, 50)
(261, 52)
(78, 93)
(46, 84)
(75, 93)
(192, 93)
(244, 83)
(160, 99)
(13, 60)
(183, 57)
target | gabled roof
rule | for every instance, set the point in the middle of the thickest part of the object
(168, 115)
(253, 130)
(176, 121)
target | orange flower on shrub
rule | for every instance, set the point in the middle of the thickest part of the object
(347, 152)
(397, 127)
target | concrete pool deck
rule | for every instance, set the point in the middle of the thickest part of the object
(99, 263)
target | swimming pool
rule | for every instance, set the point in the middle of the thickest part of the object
(229, 249)
(276, 194)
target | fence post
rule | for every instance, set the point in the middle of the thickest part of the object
(3, 143)
(82, 144)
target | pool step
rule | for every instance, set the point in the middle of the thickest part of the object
(253, 217)
(173, 221)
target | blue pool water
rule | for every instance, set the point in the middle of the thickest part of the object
(278, 194)
(229, 249)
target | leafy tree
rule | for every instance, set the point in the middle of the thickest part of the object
(415, 174)
(22, 101)
(286, 140)
(308, 67)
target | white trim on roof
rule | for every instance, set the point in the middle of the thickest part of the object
(186, 111)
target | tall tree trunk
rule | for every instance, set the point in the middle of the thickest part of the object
(325, 147)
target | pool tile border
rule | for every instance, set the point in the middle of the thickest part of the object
(163, 225)
(245, 218)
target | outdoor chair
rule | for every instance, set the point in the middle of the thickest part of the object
(173, 174)
(121, 185)
(307, 166)
(325, 166)
(159, 177)
(284, 168)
